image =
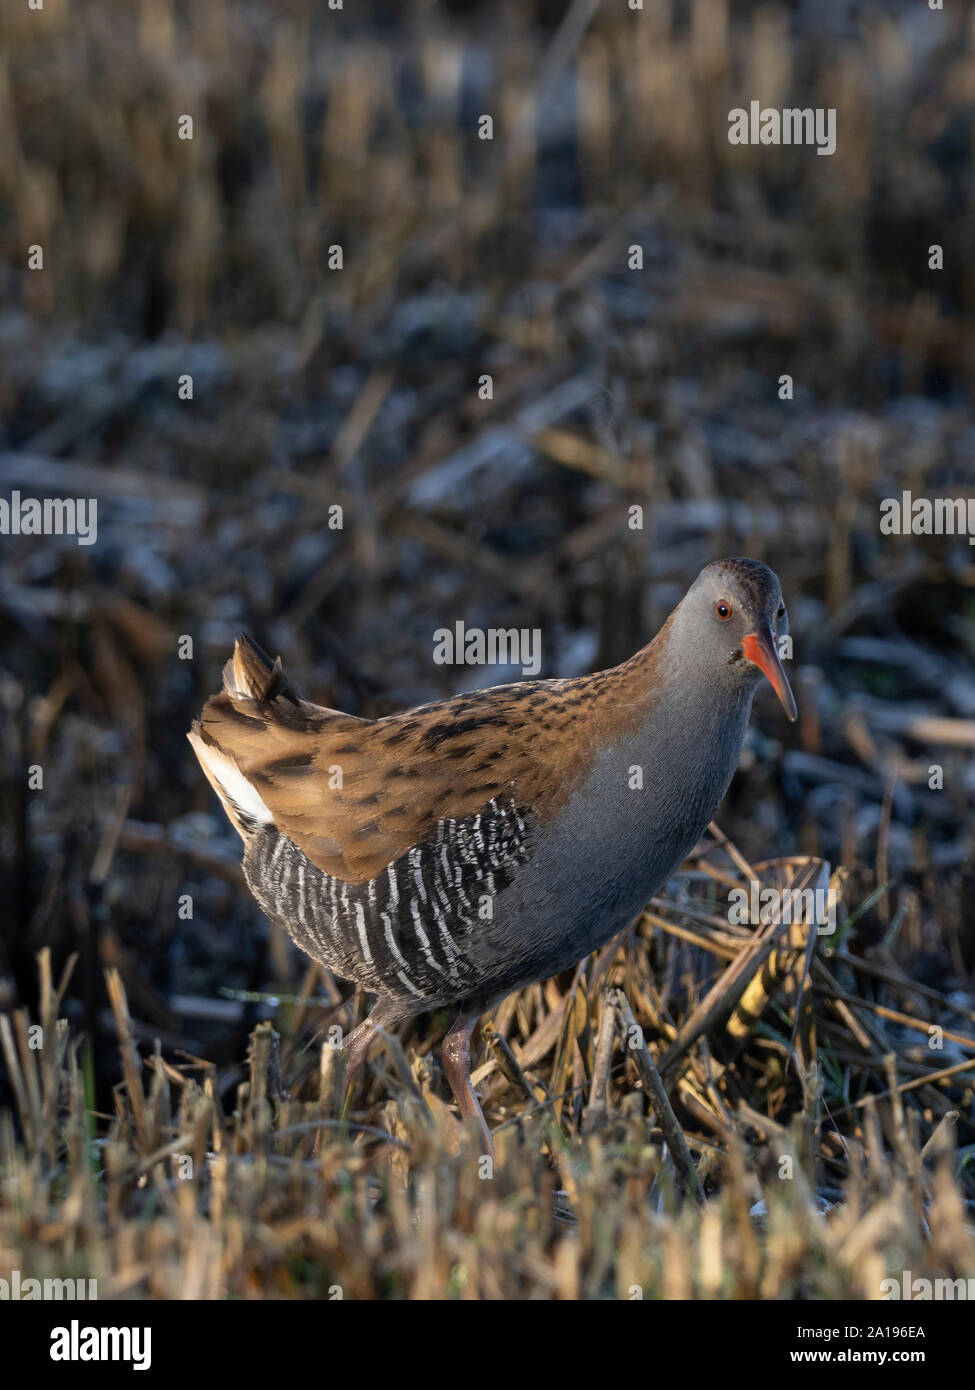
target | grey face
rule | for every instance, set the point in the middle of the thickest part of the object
(730, 620)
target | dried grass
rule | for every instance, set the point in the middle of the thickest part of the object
(220, 1161)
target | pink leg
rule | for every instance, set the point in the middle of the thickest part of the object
(357, 1044)
(456, 1054)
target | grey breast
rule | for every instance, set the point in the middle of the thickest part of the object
(644, 806)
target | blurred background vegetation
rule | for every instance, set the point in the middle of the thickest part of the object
(317, 387)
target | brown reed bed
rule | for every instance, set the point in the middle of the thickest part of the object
(701, 1110)
(220, 1161)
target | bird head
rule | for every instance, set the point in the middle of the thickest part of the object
(733, 615)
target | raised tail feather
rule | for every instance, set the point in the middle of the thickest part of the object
(251, 682)
(259, 742)
(250, 674)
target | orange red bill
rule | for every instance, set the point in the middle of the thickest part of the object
(759, 648)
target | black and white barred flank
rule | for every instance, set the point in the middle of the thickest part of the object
(403, 934)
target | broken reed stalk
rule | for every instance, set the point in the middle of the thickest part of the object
(508, 1063)
(27, 1117)
(264, 1086)
(131, 1061)
(331, 1081)
(596, 1111)
(666, 1119)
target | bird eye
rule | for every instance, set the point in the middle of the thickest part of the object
(781, 612)
(723, 609)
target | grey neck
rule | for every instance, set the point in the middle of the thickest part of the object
(649, 798)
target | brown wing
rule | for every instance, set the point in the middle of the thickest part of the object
(355, 794)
